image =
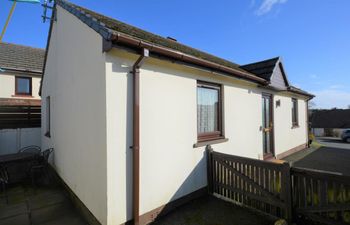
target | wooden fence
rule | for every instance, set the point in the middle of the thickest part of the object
(321, 196)
(280, 190)
(261, 185)
(20, 117)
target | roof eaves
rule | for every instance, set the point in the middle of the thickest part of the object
(20, 70)
(92, 22)
(109, 35)
(300, 91)
(136, 42)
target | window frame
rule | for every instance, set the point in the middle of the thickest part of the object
(48, 116)
(295, 112)
(219, 134)
(30, 86)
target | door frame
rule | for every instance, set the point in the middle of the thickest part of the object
(272, 132)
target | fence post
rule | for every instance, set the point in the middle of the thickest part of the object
(287, 184)
(209, 150)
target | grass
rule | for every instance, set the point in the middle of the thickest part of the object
(316, 145)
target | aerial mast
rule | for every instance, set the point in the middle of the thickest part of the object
(11, 12)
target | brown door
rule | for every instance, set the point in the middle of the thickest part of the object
(267, 126)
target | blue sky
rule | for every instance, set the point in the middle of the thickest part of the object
(311, 36)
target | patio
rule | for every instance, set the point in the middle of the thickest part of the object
(28, 205)
(209, 210)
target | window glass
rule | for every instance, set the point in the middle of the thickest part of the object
(208, 109)
(209, 121)
(294, 112)
(48, 116)
(23, 85)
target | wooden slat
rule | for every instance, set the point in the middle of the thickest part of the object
(19, 117)
(247, 179)
(260, 198)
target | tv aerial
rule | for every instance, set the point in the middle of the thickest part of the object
(47, 5)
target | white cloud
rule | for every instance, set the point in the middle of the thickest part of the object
(330, 98)
(313, 76)
(336, 86)
(267, 5)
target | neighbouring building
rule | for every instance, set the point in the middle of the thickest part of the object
(329, 122)
(130, 113)
(20, 74)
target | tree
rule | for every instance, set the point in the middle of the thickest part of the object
(312, 104)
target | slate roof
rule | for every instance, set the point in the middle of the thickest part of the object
(23, 58)
(263, 69)
(300, 91)
(118, 26)
(334, 118)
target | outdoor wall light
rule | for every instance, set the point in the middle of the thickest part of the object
(278, 103)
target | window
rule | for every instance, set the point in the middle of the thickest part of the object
(295, 112)
(23, 86)
(48, 117)
(209, 111)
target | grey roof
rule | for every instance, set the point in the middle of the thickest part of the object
(116, 26)
(263, 69)
(22, 58)
(333, 118)
(299, 91)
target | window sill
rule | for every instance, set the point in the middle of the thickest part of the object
(48, 135)
(211, 142)
(295, 126)
(23, 96)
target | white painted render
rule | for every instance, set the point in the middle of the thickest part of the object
(287, 137)
(75, 81)
(170, 166)
(7, 84)
(91, 123)
(11, 140)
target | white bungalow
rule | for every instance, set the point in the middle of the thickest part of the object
(129, 114)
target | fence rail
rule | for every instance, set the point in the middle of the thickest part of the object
(321, 196)
(20, 117)
(264, 186)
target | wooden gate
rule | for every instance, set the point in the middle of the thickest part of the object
(321, 196)
(261, 185)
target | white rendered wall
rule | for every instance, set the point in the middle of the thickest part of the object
(75, 81)
(286, 136)
(11, 140)
(170, 166)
